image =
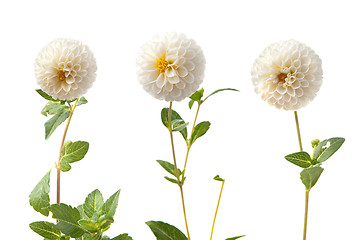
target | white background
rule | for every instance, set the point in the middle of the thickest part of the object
(263, 195)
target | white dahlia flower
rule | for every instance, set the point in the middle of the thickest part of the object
(171, 66)
(65, 69)
(287, 75)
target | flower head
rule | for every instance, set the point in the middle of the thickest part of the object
(171, 66)
(65, 69)
(287, 75)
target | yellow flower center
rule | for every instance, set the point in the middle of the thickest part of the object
(282, 77)
(162, 64)
(61, 75)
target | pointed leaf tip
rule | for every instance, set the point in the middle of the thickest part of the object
(39, 197)
(165, 231)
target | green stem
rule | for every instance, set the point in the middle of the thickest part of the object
(58, 171)
(176, 168)
(215, 215)
(188, 143)
(298, 130)
(306, 212)
(172, 141)
(307, 190)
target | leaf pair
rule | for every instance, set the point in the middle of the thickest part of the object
(59, 109)
(179, 125)
(197, 96)
(170, 169)
(312, 170)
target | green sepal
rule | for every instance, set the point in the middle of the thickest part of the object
(72, 152)
(123, 236)
(168, 167)
(93, 204)
(82, 101)
(165, 231)
(221, 90)
(199, 130)
(233, 238)
(174, 116)
(55, 122)
(301, 159)
(109, 207)
(47, 96)
(68, 220)
(53, 108)
(217, 178)
(322, 153)
(39, 197)
(45, 229)
(310, 176)
(88, 225)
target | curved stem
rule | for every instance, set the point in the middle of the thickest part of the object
(298, 130)
(215, 215)
(58, 171)
(176, 168)
(306, 212)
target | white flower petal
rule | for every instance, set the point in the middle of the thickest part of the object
(182, 71)
(173, 80)
(161, 80)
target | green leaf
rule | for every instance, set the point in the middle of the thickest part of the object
(52, 108)
(327, 148)
(45, 229)
(178, 125)
(39, 197)
(217, 178)
(74, 151)
(233, 238)
(220, 90)
(199, 130)
(309, 176)
(94, 203)
(82, 212)
(164, 231)
(124, 236)
(88, 225)
(171, 180)
(111, 204)
(197, 95)
(82, 101)
(46, 96)
(191, 103)
(301, 159)
(168, 167)
(55, 122)
(68, 220)
(174, 116)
